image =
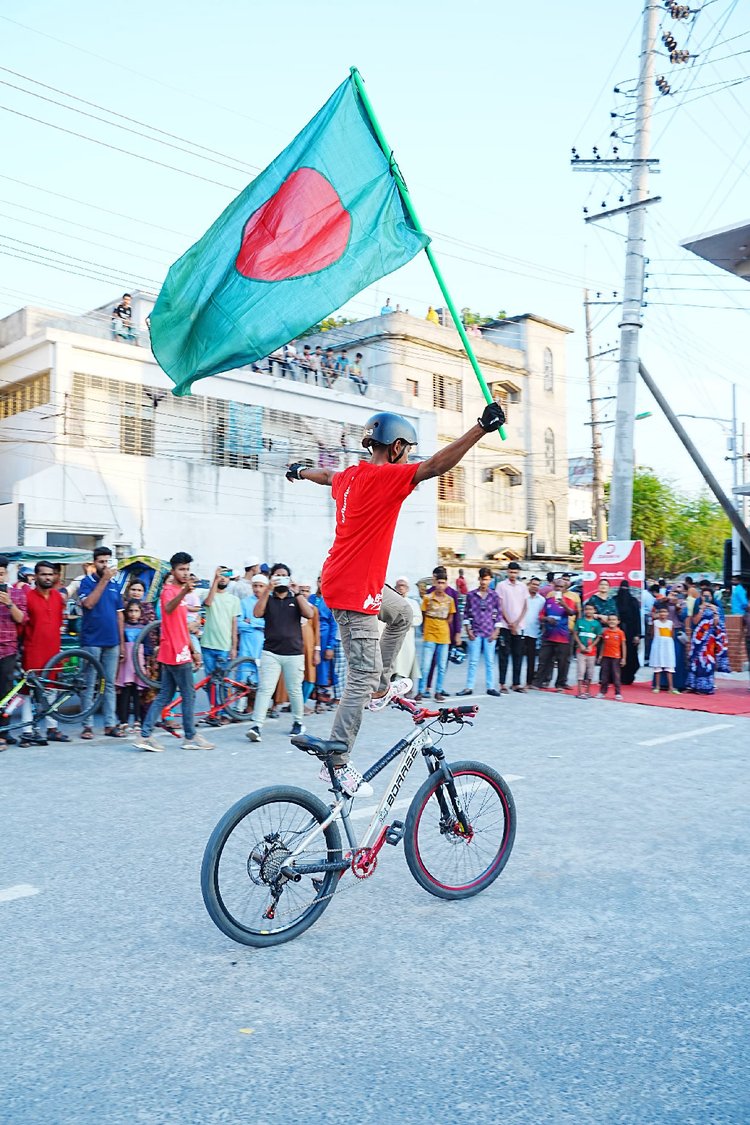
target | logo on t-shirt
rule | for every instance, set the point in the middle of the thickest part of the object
(371, 602)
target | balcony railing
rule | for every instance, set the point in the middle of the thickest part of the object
(451, 515)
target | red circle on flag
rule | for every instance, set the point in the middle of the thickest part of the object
(301, 229)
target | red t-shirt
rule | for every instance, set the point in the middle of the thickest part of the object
(368, 500)
(614, 640)
(174, 647)
(41, 634)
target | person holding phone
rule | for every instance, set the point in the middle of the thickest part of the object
(282, 607)
(176, 658)
(219, 638)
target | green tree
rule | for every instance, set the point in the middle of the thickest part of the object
(326, 325)
(678, 532)
(468, 316)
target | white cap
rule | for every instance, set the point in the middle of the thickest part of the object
(261, 578)
(304, 582)
(252, 561)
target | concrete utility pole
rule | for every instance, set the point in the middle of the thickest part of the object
(621, 497)
(597, 495)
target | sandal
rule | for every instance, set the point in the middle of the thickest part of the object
(87, 733)
(56, 735)
(115, 732)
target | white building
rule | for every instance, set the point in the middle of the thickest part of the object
(94, 449)
(507, 499)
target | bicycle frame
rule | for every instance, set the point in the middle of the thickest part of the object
(408, 749)
(40, 705)
(216, 699)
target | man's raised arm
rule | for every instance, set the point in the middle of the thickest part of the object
(449, 456)
(299, 471)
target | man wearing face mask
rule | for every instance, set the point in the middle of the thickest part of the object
(219, 637)
(282, 608)
(368, 498)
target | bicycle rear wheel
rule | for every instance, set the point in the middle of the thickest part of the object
(243, 890)
(64, 680)
(443, 857)
(239, 693)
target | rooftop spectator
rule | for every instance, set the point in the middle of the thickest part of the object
(386, 307)
(122, 320)
(357, 375)
(432, 316)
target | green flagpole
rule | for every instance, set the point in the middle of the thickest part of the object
(404, 193)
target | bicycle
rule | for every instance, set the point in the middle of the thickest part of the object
(274, 861)
(57, 689)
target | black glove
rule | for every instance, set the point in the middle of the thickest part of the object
(293, 471)
(493, 417)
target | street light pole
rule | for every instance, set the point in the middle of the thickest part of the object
(621, 499)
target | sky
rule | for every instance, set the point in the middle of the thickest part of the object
(482, 103)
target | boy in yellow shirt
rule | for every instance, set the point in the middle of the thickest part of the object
(438, 610)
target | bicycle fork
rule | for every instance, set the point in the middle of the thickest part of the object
(454, 820)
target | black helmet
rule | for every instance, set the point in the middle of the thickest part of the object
(385, 428)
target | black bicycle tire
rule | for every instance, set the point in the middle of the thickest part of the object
(411, 827)
(87, 658)
(141, 666)
(212, 855)
(228, 707)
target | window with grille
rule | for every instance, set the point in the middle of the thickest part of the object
(447, 393)
(549, 450)
(503, 481)
(451, 486)
(548, 371)
(25, 395)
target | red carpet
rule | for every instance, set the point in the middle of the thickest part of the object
(732, 697)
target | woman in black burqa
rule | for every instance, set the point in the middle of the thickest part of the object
(629, 612)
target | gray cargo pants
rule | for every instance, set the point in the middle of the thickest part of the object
(369, 660)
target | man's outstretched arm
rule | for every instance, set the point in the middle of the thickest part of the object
(299, 471)
(449, 456)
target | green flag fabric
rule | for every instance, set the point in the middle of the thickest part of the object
(323, 221)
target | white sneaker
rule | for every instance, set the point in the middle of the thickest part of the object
(198, 743)
(150, 743)
(351, 780)
(395, 688)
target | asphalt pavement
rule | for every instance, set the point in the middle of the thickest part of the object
(602, 978)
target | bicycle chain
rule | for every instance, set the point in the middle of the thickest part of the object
(354, 883)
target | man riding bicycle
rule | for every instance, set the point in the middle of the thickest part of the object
(368, 499)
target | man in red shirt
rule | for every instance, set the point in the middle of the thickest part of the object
(42, 639)
(368, 499)
(176, 658)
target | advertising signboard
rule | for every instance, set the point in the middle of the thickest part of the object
(614, 560)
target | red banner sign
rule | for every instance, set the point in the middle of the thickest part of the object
(613, 560)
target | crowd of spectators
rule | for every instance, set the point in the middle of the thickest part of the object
(526, 633)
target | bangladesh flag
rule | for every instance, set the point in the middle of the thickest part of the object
(323, 221)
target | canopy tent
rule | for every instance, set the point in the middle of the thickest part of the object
(48, 554)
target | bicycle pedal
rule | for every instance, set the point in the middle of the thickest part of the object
(395, 833)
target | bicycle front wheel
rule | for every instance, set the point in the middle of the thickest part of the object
(144, 654)
(449, 859)
(65, 679)
(244, 891)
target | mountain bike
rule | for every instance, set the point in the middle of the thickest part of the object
(275, 859)
(229, 689)
(56, 690)
(227, 696)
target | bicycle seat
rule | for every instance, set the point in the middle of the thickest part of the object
(319, 747)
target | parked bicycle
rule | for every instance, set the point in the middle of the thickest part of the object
(275, 859)
(56, 690)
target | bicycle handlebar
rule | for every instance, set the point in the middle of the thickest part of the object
(444, 714)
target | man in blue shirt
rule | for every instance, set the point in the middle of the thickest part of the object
(102, 627)
(739, 595)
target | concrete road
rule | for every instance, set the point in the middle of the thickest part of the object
(603, 978)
